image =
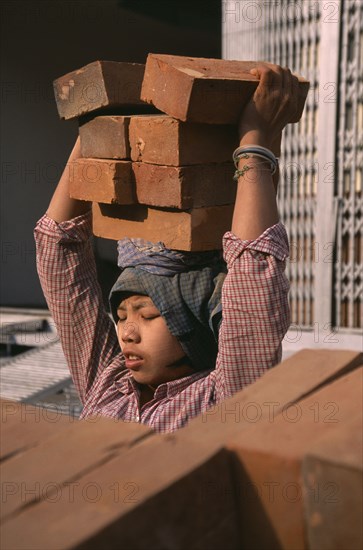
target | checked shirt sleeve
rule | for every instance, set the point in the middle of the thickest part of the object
(255, 308)
(67, 273)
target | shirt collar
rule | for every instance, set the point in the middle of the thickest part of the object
(176, 386)
(126, 384)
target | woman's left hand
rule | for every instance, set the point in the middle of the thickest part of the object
(272, 106)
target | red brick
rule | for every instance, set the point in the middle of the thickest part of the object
(40, 471)
(205, 90)
(102, 180)
(105, 137)
(184, 187)
(194, 230)
(99, 85)
(126, 182)
(333, 481)
(161, 139)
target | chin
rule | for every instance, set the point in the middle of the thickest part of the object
(145, 379)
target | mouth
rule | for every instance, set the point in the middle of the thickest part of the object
(133, 361)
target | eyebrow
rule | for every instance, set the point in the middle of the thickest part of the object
(137, 306)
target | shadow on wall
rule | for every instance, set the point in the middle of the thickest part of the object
(43, 40)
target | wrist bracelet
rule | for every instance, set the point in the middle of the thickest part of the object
(257, 151)
(252, 153)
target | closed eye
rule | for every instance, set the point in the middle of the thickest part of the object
(145, 317)
(150, 317)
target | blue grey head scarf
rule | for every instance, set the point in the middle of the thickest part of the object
(185, 287)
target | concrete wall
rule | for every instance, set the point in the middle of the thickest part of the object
(42, 40)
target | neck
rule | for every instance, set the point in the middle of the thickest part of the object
(146, 393)
(183, 361)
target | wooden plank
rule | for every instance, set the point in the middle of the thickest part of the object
(333, 481)
(24, 426)
(56, 460)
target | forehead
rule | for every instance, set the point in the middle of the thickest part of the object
(136, 299)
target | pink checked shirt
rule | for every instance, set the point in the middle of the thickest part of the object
(255, 319)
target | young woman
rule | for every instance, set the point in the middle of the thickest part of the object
(191, 330)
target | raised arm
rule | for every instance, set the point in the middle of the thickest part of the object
(261, 124)
(62, 207)
(67, 273)
(255, 306)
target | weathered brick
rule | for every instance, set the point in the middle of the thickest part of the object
(270, 471)
(333, 481)
(41, 471)
(126, 182)
(184, 187)
(108, 180)
(161, 139)
(197, 229)
(206, 90)
(105, 137)
(99, 85)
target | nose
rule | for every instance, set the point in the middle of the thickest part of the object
(130, 332)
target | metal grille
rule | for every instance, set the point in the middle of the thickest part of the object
(348, 267)
(320, 192)
(293, 41)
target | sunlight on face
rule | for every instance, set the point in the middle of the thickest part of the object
(152, 353)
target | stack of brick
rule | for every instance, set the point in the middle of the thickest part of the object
(157, 143)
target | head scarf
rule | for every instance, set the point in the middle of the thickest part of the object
(184, 286)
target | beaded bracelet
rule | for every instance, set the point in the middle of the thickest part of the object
(273, 166)
(242, 172)
(245, 169)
